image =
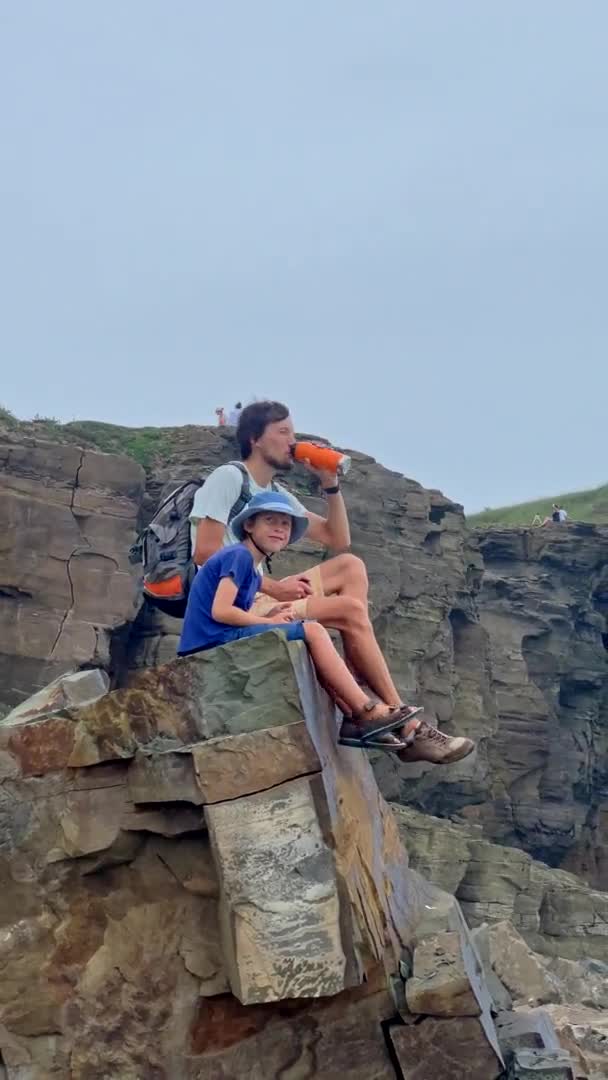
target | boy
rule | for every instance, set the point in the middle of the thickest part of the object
(219, 611)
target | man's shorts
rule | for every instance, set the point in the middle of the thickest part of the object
(263, 604)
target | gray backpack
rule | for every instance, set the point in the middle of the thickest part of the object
(165, 549)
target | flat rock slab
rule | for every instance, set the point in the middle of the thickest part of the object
(228, 768)
(225, 767)
(445, 1050)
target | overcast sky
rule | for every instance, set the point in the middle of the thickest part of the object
(391, 215)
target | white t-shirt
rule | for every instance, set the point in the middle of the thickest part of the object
(233, 417)
(562, 515)
(218, 495)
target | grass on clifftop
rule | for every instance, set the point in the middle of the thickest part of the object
(144, 444)
(589, 505)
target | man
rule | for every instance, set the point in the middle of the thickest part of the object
(558, 515)
(334, 592)
(234, 415)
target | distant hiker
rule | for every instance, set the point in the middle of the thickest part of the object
(233, 417)
(334, 592)
(221, 609)
(221, 416)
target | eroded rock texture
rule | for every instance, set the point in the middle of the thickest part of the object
(68, 519)
(501, 635)
(156, 901)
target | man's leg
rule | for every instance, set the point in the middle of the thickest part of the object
(344, 575)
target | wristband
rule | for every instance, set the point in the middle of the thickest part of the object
(331, 490)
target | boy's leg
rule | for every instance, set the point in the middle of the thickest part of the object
(335, 676)
(349, 616)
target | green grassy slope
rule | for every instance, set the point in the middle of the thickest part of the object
(589, 505)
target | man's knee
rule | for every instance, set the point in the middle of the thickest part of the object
(354, 612)
(352, 568)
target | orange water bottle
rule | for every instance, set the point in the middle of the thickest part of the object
(322, 457)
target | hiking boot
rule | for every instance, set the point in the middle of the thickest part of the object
(432, 745)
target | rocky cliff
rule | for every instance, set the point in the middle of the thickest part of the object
(501, 634)
(120, 812)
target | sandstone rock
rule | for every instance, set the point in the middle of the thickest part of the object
(501, 997)
(522, 972)
(445, 1050)
(581, 982)
(440, 985)
(125, 924)
(583, 1032)
(167, 776)
(441, 913)
(238, 765)
(70, 516)
(224, 768)
(329, 1038)
(556, 913)
(73, 689)
(280, 896)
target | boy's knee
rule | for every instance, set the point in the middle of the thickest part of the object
(313, 631)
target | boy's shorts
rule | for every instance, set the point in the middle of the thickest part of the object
(293, 631)
(263, 604)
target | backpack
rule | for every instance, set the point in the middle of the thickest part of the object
(165, 548)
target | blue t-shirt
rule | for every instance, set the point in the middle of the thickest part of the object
(200, 629)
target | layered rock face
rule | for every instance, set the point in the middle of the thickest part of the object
(198, 882)
(530, 676)
(179, 856)
(544, 608)
(501, 635)
(68, 518)
(555, 911)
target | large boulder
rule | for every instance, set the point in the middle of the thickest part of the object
(187, 849)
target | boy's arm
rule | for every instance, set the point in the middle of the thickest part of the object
(224, 611)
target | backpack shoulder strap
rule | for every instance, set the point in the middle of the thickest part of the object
(245, 495)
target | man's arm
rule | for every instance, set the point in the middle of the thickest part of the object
(209, 539)
(333, 531)
(211, 508)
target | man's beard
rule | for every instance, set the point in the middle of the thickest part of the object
(280, 466)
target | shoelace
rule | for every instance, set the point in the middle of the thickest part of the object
(432, 733)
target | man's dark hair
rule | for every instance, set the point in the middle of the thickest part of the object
(254, 420)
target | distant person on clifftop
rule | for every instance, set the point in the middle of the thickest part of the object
(558, 515)
(334, 592)
(233, 417)
(221, 416)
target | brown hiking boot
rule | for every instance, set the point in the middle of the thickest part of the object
(432, 745)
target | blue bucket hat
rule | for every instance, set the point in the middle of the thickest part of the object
(277, 503)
